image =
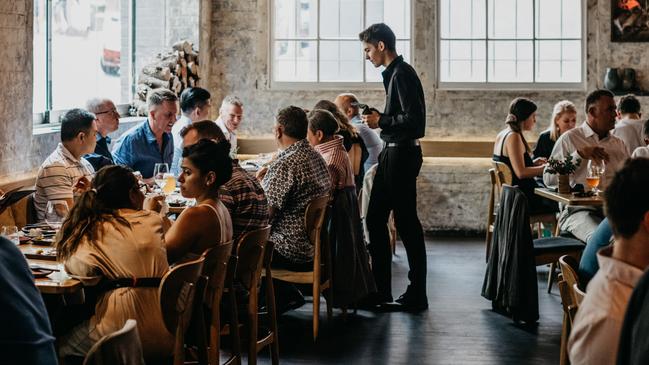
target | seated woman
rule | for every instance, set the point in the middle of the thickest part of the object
(107, 236)
(352, 279)
(512, 149)
(205, 167)
(564, 118)
(349, 133)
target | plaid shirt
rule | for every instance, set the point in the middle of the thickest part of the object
(246, 202)
(297, 176)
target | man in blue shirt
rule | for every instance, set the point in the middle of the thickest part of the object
(26, 336)
(107, 122)
(144, 145)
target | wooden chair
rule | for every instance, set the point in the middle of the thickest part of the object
(207, 302)
(176, 293)
(567, 278)
(255, 252)
(122, 347)
(354, 154)
(578, 293)
(314, 218)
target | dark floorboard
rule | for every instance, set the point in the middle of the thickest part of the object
(459, 327)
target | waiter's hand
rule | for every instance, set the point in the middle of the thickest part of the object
(372, 119)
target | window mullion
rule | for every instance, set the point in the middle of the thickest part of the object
(48, 58)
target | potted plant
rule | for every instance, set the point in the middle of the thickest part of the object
(563, 168)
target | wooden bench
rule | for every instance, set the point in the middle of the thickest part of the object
(20, 213)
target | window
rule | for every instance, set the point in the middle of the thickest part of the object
(316, 41)
(85, 49)
(523, 43)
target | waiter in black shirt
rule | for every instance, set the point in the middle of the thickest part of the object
(402, 123)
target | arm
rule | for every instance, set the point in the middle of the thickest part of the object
(278, 185)
(412, 106)
(184, 233)
(516, 149)
(57, 186)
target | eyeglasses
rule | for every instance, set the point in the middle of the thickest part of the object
(113, 111)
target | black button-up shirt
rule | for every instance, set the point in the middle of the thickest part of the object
(102, 156)
(404, 117)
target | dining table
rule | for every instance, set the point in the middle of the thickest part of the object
(570, 198)
(41, 260)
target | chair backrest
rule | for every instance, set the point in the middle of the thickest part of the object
(313, 221)
(122, 347)
(250, 251)
(354, 154)
(569, 266)
(176, 294)
(215, 268)
(503, 173)
(579, 294)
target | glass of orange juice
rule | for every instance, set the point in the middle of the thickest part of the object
(169, 185)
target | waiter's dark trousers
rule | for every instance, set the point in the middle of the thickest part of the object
(395, 188)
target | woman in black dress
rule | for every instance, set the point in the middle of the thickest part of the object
(564, 118)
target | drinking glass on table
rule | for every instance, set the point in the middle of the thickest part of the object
(594, 174)
(159, 171)
(55, 213)
(10, 233)
(169, 184)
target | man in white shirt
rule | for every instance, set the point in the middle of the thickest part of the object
(591, 140)
(629, 125)
(64, 175)
(195, 105)
(230, 117)
(595, 334)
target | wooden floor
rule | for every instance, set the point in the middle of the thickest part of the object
(459, 327)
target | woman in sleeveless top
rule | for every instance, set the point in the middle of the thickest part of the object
(564, 118)
(512, 149)
(205, 167)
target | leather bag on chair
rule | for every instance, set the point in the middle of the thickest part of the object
(510, 280)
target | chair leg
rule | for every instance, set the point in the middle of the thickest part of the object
(316, 308)
(234, 328)
(215, 336)
(553, 267)
(565, 328)
(253, 319)
(270, 300)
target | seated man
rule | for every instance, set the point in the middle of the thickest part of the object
(230, 117)
(596, 329)
(643, 151)
(144, 145)
(242, 194)
(194, 106)
(295, 177)
(591, 140)
(629, 124)
(26, 336)
(107, 122)
(373, 143)
(64, 174)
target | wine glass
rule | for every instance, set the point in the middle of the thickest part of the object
(11, 233)
(169, 184)
(594, 174)
(159, 171)
(55, 213)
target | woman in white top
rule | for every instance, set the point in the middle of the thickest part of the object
(205, 167)
(107, 236)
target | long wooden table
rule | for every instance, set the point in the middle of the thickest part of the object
(569, 199)
(56, 283)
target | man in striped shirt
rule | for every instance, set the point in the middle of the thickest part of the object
(65, 174)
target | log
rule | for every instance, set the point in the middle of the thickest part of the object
(192, 57)
(142, 91)
(193, 68)
(169, 60)
(175, 85)
(138, 108)
(192, 82)
(158, 71)
(185, 46)
(152, 82)
(177, 69)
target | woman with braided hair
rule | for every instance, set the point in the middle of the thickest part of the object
(512, 149)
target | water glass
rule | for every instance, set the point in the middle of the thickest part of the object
(11, 233)
(159, 171)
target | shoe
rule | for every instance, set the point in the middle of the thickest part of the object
(413, 302)
(373, 301)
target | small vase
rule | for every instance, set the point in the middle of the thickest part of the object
(564, 184)
(628, 79)
(612, 79)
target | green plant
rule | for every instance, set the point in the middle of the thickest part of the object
(563, 167)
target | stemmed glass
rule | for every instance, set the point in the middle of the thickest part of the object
(55, 213)
(594, 174)
(159, 171)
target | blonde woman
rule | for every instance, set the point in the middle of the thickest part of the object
(564, 118)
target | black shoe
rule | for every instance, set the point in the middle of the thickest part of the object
(373, 301)
(413, 302)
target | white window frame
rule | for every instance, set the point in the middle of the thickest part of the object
(325, 85)
(515, 86)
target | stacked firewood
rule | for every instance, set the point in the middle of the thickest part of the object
(175, 70)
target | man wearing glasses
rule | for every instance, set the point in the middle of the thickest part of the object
(107, 122)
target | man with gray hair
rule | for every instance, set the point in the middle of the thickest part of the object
(150, 142)
(107, 122)
(230, 116)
